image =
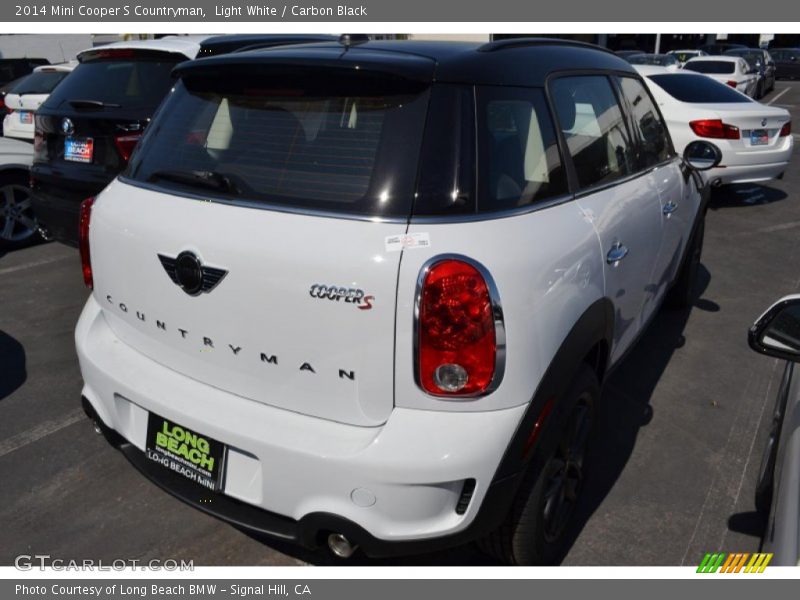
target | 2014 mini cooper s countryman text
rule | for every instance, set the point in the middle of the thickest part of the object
(366, 294)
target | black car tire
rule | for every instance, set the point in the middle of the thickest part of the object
(15, 204)
(539, 524)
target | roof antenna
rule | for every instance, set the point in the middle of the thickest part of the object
(351, 39)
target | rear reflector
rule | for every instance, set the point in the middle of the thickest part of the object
(714, 128)
(786, 129)
(731, 83)
(126, 144)
(83, 241)
(466, 495)
(457, 330)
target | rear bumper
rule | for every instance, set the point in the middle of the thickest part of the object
(750, 166)
(391, 489)
(14, 129)
(59, 213)
(57, 201)
(747, 173)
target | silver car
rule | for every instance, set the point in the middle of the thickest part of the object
(777, 333)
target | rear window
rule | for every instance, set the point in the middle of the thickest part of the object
(686, 87)
(712, 67)
(41, 82)
(127, 83)
(301, 138)
(653, 59)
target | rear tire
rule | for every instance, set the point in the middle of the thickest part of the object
(681, 295)
(538, 526)
(18, 224)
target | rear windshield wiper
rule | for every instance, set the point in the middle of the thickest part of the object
(90, 104)
(204, 179)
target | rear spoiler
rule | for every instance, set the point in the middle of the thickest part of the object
(104, 53)
(411, 67)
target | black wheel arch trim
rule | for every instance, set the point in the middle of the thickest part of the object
(592, 331)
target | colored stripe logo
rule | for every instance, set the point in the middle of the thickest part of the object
(738, 562)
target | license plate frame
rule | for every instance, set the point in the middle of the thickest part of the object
(759, 137)
(79, 149)
(183, 451)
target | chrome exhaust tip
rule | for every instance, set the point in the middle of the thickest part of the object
(97, 429)
(341, 546)
(716, 183)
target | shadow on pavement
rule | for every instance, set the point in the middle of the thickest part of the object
(750, 523)
(743, 195)
(12, 365)
(625, 407)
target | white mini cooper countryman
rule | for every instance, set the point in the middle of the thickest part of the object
(366, 294)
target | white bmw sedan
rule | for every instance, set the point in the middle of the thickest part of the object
(755, 139)
(733, 71)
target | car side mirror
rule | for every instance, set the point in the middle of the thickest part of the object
(702, 155)
(777, 332)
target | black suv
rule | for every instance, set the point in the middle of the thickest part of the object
(14, 68)
(90, 124)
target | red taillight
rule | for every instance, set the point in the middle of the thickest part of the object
(457, 337)
(39, 146)
(732, 83)
(126, 143)
(786, 129)
(83, 241)
(714, 128)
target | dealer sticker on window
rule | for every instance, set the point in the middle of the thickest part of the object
(186, 452)
(79, 149)
(407, 241)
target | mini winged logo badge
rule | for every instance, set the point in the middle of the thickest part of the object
(192, 276)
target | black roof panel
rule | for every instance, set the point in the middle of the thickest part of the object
(518, 62)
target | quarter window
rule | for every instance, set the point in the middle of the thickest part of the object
(654, 143)
(518, 151)
(593, 126)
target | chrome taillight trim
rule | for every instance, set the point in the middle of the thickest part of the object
(499, 327)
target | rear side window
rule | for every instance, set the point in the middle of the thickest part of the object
(712, 67)
(697, 89)
(302, 138)
(594, 128)
(41, 82)
(518, 151)
(124, 83)
(447, 174)
(654, 140)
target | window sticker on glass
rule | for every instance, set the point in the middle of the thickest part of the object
(79, 149)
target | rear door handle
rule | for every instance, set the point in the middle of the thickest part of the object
(670, 207)
(617, 253)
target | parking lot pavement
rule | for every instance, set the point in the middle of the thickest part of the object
(682, 422)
